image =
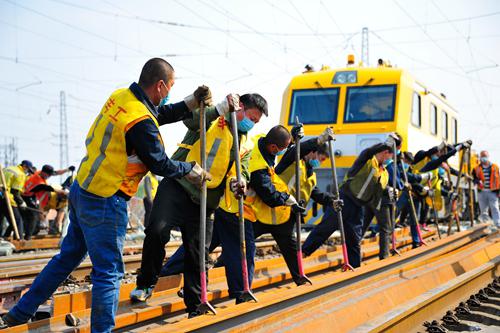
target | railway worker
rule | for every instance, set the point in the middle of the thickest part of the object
(37, 196)
(269, 203)
(123, 143)
(487, 178)
(177, 202)
(15, 178)
(430, 161)
(363, 187)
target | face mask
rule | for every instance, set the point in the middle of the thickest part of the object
(245, 125)
(405, 166)
(398, 151)
(484, 159)
(434, 157)
(281, 152)
(441, 172)
(387, 162)
(314, 163)
(164, 100)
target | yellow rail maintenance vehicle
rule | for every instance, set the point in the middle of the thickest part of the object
(364, 104)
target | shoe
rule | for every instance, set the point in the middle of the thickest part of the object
(424, 227)
(415, 245)
(195, 314)
(6, 320)
(141, 294)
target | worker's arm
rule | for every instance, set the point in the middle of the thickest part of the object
(434, 164)
(420, 155)
(193, 123)
(143, 140)
(364, 157)
(172, 113)
(17, 197)
(305, 148)
(260, 182)
(323, 198)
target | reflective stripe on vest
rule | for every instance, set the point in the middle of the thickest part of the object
(106, 167)
(219, 145)
(365, 184)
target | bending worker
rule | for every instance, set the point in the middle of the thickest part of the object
(122, 144)
(363, 186)
(177, 202)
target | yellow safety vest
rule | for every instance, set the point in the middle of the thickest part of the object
(219, 143)
(107, 168)
(15, 179)
(228, 201)
(368, 184)
(435, 184)
(255, 208)
(307, 184)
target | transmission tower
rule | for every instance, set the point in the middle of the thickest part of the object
(63, 132)
(365, 53)
(9, 152)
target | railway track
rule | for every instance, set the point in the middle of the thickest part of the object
(270, 273)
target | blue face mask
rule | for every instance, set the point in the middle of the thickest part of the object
(405, 166)
(434, 157)
(387, 162)
(441, 172)
(398, 151)
(484, 159)
(281, 152)
(245, 125)
(164, 100)
(314, 163)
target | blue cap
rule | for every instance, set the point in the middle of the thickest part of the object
(28, 165)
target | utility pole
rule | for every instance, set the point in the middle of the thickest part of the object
(365, 52)
(63, 132)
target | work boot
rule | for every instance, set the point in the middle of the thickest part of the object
(141, 294)
(424, 227)
(6, 320)
(196, 313)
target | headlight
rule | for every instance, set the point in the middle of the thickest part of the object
(345, 77)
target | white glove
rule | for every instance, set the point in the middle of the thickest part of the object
(230, 103)
(238, 189)
(441, 146)
(326, 135)
(197, 175)
(390, 141)
(291, 201)
(23, 205)
(426, 176)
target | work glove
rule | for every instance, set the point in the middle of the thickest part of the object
(298, 209)
(238, 188)
(291, 201)
(407, 186)
(426, 176)
(22, 205)
(390, 141)
(328, 200)
(392, 193)
(338, 204)
(229, 104)
(197, 175)
(201, 94)
(441, 146)
(297, 131)
(465, 145)
(326, 136)
(71, 168)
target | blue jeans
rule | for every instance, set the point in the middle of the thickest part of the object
(98, 226)
(352, 215)
(404, 201)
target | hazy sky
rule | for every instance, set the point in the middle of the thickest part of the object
(90, 48)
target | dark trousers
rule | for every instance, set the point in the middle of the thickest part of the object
(30, 218)
(352, 215)
(173, 207)
(404, 204)
(148, 206)
(284, 237)
(17, 216)
(385, 226)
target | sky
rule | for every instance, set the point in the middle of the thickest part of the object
(89, 49)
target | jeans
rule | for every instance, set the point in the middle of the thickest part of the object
(98, 226)
(352, 215)
(404, 204)
(489, 200)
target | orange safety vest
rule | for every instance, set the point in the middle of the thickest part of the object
(494, 176)
(32, 181)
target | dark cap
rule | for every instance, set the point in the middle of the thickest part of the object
(48, 169)
(29, 165)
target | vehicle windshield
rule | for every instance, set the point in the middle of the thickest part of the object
(370, 104)
(314, 106)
